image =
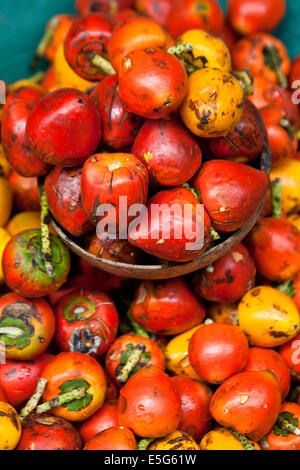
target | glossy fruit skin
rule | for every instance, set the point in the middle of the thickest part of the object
(283, 143)
(186, 15)
(152, 82)
(19, 379)
(119, 126)
(117, 438)
(176, 441)
(268, 317)
(289, 351)
(177, 355)
(222, 439)
(10, 427)
(284, 442)
(15, 144)
(63, 192)
(136, 33)
(145, 398)
(228, 279)
(114, 250)
(26, 194)
(214, 103)
(195, 400)
(93, 329)
(70, 366)
(249, 53)
(167, 307)
(223, 312)
(85, 7)
(268, 359)
(105, 418)
(287, 173)
(22, 277)
(275, 247)
(47, 432)
(218, 351)
(156, 242)
(60, 137)
(89, 34)
(63, 25)
(107, 176)
(153, 355)
(170, 153)
(248, 17)
(231, 193)
(35, 318)
(248, 402)
(158, 11)
(245, 142)
(26, 92)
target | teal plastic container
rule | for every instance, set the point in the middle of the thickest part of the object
(22, 23)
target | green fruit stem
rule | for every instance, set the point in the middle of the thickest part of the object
(60, 400)
(11, 331)
(45, 221)
(276, 193)
(246, 81)
(45, 41)
(243, 440)
(132, 361)
(33, 400)
(103, 64)
(137, 328)
(144, 444)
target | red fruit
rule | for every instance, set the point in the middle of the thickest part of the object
(85, 7)
(48, 432)
(124, 15)
(149, 404)
(285, 434)
(157, 10)
(28, 94)
(118, 124)
(26, 193)
(275, 247)
(195, 400)
(192, 14)
(88, 37)
(64, 128)
(63, 192)
(295, 74)
(281, 134)
(106, 282)
(152, 82)
(105, 418)
(19, 379)
(123, 348)
(255, 16)
(175, 226)
(167, 307)
(114, 250)
(267, 359)
(116, 438)
(290, 352)
(3, 397)
(106, 177)
(249, 403)
(218, 351)
(87, 322)
(75, 283)
(228, 279)
(296, 285)
(245, 143)
(170, 153)
(112, 392)
(231, 193)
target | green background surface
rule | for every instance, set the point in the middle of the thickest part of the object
(22, 23)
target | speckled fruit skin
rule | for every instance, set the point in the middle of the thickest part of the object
(245, 142)
(284, 441)
(88, 35)
(159, 11)
(170, 153)
(64, 128)
(249, 403)
(228, 279)
(218, 351)
(105, 418)
(24, 268)
(119, 126)
(152, 82)
(114, 250)
(93, 329)
(147, 397)
(167, 307)
(231, 192)
(63, 192)
(117, 438)
(46, 432)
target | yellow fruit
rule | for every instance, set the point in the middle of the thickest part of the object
(65, 76)
(214, 103)
(6, 201)
(10, 427)
(24, 221)
(288, 173)
(4, 239)
(178, 440)
(25, 83)
(268, 317)
(295, 220)
(5, 168)
(208, 50)
(177, 355)
(222, 312)
(223, 439)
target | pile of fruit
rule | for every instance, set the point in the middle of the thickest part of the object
(161, 103)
